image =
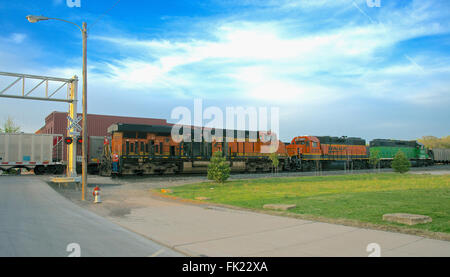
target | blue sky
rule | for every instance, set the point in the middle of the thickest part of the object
(332, 67)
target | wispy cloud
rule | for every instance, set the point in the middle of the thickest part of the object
(16, 38)
(267, 60)
(312, 58)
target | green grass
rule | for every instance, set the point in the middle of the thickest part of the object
(364, 198)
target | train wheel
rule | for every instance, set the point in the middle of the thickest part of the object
(59, 169)
(51, 169)
(358, 165)
(39, 170)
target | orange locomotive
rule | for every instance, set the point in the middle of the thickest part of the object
(151, 149)
(314, 153)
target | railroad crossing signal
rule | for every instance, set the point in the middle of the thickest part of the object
(74, 123)
(68, 140)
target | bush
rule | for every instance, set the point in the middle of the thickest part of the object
(218, 169)
(400, 163)
(374, 158)
(275, 161)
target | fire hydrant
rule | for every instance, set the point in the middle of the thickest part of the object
(96, 194)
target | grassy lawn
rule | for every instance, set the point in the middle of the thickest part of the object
(364, 198)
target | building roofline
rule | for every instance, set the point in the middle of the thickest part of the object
(107, 115)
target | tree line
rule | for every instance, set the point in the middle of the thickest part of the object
(435, 142)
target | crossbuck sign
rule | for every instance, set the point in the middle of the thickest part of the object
(74, 124)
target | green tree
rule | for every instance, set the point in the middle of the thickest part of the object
(218, 168)
(434, 142)
(9, 126)
(400, 163)
(374, 158)
(275, 161)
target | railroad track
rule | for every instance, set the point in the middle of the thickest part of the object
(246, 175)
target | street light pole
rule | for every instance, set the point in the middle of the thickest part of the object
(34, 19)
(84, 127)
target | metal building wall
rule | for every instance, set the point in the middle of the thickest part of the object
(56, 123)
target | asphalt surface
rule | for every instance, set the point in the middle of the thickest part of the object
(36, 221)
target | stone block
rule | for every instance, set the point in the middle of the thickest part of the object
(409, 219)
(282, 207)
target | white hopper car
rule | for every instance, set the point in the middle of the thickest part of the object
(40, 152)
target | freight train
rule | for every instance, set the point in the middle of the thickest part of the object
(151, 149)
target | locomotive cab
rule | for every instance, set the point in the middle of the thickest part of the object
(303, 145)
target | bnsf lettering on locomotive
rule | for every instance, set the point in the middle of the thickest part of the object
(334, 149)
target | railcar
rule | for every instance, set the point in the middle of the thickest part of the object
(321, 152)
(440, 155)
(416, 152)
(38, 152)
(151, 149)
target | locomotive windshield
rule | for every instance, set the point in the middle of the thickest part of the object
(300, 141)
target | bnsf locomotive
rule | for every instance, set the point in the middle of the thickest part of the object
(414, 151)
(151, 149)
(314, 153)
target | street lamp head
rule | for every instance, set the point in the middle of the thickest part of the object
(36, 18)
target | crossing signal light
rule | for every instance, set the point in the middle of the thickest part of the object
(68, 140)
(79, 140)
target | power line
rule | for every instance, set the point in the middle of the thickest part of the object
(100, 17)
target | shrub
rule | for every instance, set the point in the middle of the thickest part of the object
(218, 169)
(400, 163)
(275, 161)
(374, 158)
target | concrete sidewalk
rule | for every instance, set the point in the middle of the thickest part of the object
(216, 231)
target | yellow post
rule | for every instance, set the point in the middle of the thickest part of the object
(72, 148)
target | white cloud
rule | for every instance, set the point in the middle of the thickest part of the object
(17, 38)
(264, 60)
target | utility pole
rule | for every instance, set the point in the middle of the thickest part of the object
(85, 130)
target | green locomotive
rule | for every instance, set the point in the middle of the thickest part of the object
(416, 152)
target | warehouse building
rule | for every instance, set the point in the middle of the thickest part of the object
(56, 123)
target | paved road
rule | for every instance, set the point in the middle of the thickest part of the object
(36, 221)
